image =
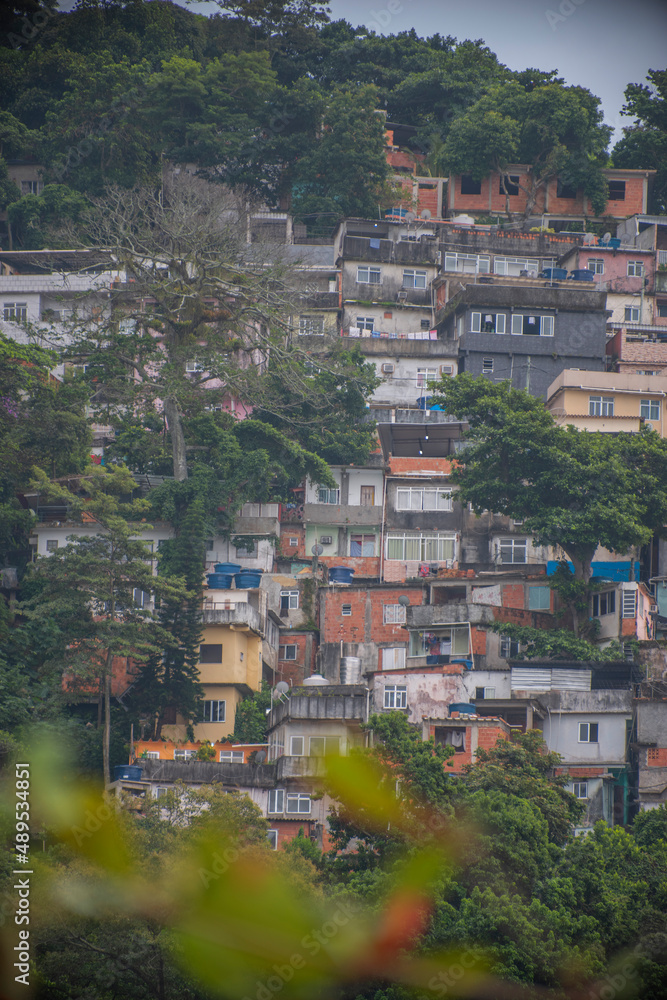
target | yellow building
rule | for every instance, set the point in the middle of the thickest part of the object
(608, 401)
(230, 669)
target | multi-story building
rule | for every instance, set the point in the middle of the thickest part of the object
(611, 402)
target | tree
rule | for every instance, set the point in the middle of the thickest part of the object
(556, 130)
(251, 719)
(90, 584)
(644, 143)
(573, 489)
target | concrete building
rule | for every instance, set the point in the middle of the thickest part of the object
(612, 402)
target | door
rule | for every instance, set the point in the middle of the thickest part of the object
(367, 496)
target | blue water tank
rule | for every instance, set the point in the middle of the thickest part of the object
(220, 581)
(248, 578)
(230, 568)
(130, 772)
(340, 574)
(555, 273)
(462, 706)
(582, 274)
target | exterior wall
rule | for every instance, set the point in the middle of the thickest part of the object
(632, 351)
(498, 680)
(60, 532)
(211, 731)
(479, 733)
(429, 691)
(166, 748)
(294, 671)
(610, 709)
(241, 658)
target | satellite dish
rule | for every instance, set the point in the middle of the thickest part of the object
(606, 237)
(404, 600)
(426, 214)
(410, 217)
(317, 549)
(279, 691)
(260, 756)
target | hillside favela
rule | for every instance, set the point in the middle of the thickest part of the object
(333, 507)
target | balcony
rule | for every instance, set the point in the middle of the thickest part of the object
(388, 251)
(258, 519)
(318, 300)
(217, 611)
(329, 513)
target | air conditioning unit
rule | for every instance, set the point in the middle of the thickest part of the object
(388, 369)
(401, 296)
(326, 539)
(446, 369)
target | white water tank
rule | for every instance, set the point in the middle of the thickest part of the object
(315, 680)
(350, 669)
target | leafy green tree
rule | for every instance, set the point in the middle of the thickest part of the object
(556, 644)
(643, 145)
(251, 720)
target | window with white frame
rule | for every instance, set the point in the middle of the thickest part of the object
(426, 375)
(193, 366)
(325, 495)
(31, 187)
(232, 757)
(635, 269)
(151, 755)
(604, 603)
(532, 326)
(422, 548)
(588, 732)
(539, 599)
(629, 604)
(289, 600)
(276, 800)
(272, 837)
(423, 498)
(393, 658)
(368, 275)
(395, 696)
(487, 366)
(287, 652)
(311, 326)
(15, 312)
(487, 322)
(366, 323)
(470, 263)
(580, 789)
(414, 279)
(513, 550)
(346, 610)
(600, 406)
(484, 693)
(443, 640)
(596, 265)
(297, 746)
(181, 754)
(393, 614)
(649, 409)
(508, 649)
(324, 746)
(293, 543)
(515, 265)
(362, 545)
(160, 791)
(297, 802)
(214, 711)
(632, 314)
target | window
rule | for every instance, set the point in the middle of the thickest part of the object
(487, 322)
(184, 754)
(662, 311)
(365, 323)
(455, 738)
(440, 642)
(395, 696)
(513, 550)
(51, 544)
(276, 800)
(580, 789)
(232, 757)
(423, 498)
(15, 312)
(272, 837)
(311, 326)
(509, 648)
(328, 496)
(210, 653)
(588, 732)
(635, 269)
(214, 711)
(192, 366)
(294, 543)
(297, 802)
(346, 610)
(296, 746)
(151, 754)
(362, 545)
(539, 599)
(141, 598)
(393, 658)
(483, 693)
(604, 604)
(510, 185)
(31, 187)
(289, 600)
(287, 652)
(366, 496)
(426, 375)
(565, 190)
(487, 366)
(596, 265)
(629, 604)
(616, 190)
(600, 406)
(515, 265)
(470, 263)
(414, 279)
(244, 552)
(649, 409)
(533, 326)
(368, 275)
(160, 791)
(422, 548)
(632, 314)
(469, 186)
(393, 614)
(324, 746)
